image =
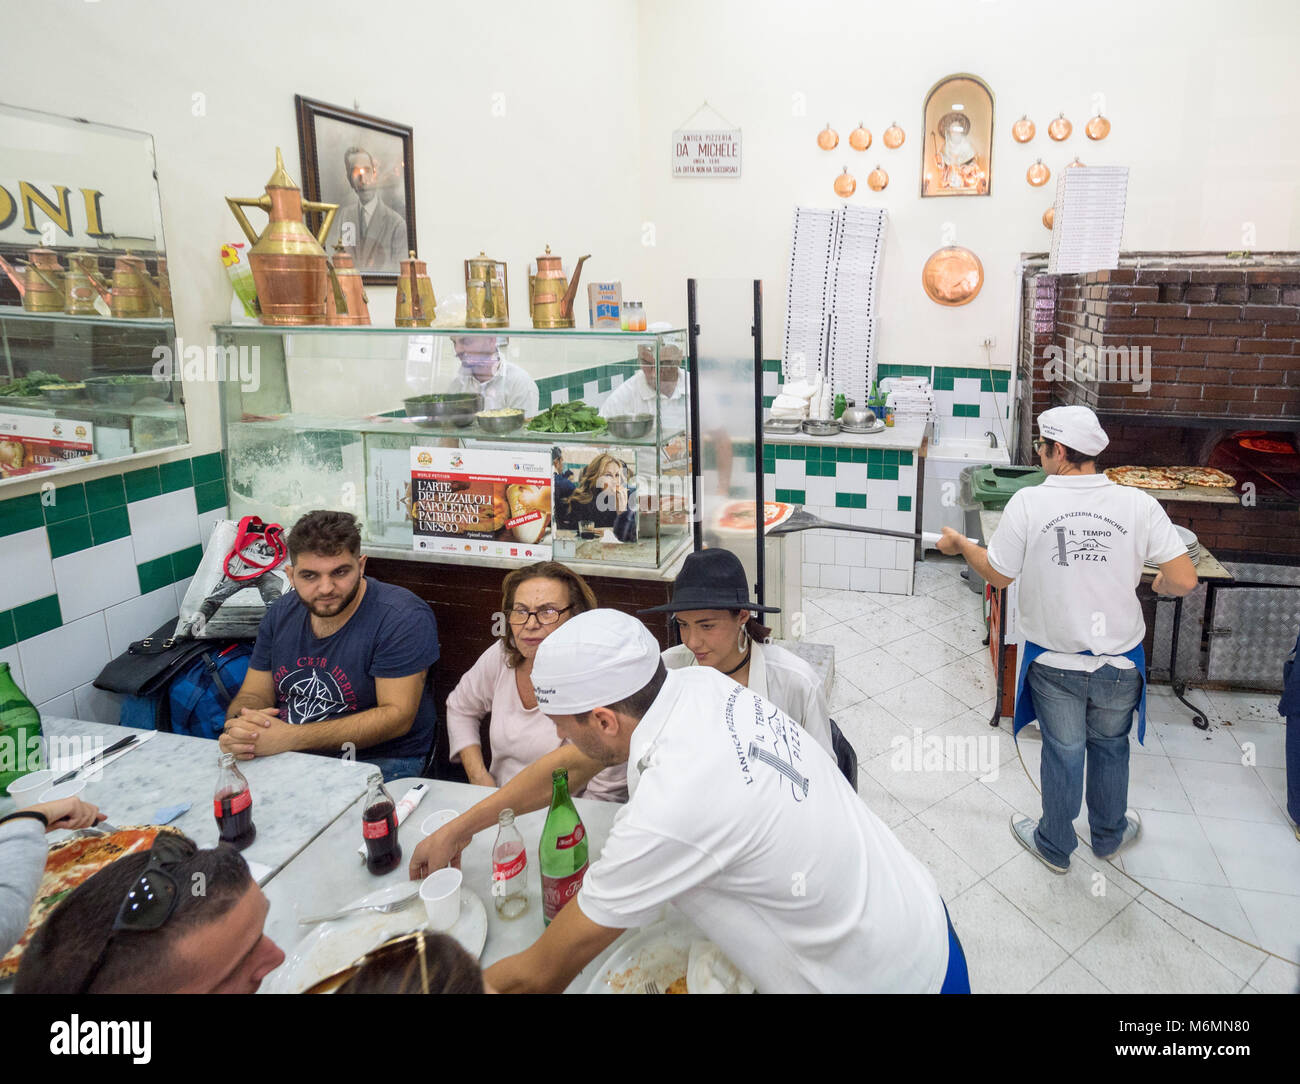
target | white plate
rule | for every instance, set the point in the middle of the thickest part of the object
(658, 952)
(333, 946)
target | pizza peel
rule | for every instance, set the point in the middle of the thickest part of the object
(801, 520)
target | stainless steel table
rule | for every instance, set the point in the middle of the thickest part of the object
(330, 874)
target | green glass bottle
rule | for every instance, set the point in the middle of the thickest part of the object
(20, 732)
(562, 852)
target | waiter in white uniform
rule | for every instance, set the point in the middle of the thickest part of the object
(1077, 544)
(637, 394)
(737, 819)
(483, 371)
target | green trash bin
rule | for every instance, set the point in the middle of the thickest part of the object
(990, 486)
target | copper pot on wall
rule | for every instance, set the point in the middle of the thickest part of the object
(133, 295)
(416, 305)
(41, 283)
(550, 296)
(351, 291)
(83, 285)
(288, 261)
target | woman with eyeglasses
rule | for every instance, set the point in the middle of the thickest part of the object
(535, 601)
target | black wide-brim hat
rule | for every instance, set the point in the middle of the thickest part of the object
(712, 579)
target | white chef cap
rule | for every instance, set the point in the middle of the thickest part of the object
(1076, 427)
(595, 659)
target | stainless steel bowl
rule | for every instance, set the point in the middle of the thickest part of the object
(129, 390)
(501, 423)
(57, 395)
(821, 427)
(438, 411)
(858, 417)
(631, 426)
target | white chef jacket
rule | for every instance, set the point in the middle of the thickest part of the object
(510, 386)
(636, 396)
(1077, 544)
(755, 836)
(782, 677)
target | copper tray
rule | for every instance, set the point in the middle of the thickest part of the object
(952, 276)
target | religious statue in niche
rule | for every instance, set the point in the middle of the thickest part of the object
(957, 152)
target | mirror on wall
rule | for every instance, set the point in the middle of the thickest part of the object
(86, 331)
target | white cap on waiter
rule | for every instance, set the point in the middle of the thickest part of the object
(597, 658)
(1076, 427)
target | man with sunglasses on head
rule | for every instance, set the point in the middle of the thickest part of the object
(1077, 545)
(174, 920)
(341, 664)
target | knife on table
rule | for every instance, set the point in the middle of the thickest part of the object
(115, 747)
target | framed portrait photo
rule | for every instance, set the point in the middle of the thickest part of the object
(367, 167)
(957, 150)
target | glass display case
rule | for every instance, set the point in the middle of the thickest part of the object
(494, 447)
(86, 333)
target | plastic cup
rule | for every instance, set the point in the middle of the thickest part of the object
(436, 820)
(25, 788)
(70, 789)
(441, 895)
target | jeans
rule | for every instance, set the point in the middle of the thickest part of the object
(397, 767)
(1293, 767)
(1083, 716)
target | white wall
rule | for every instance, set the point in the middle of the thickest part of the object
(1203, 96)
(558, 166)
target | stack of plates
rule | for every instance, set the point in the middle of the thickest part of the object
(1089, 219)
(1192, 542)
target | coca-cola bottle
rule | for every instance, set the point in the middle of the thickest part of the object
(379, 827)
(232, 803)
(562, 852)
(509, 868)
(20, 732)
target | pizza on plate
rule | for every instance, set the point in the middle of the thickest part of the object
(1144, 477)
(68, 864)
(1202, 476)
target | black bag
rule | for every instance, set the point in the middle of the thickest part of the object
(146, 667)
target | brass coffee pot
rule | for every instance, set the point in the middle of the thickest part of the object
(41, 283)
(416, 305)
(354, 310)
(550, 298)
(287, 260)
(164, 288)
(83, 285)
(133, 295)
(486, 293)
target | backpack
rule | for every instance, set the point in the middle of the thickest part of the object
(194, 701)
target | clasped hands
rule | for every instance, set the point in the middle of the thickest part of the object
(257, 732)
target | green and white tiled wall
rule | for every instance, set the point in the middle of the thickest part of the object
(968, 402)
(868, 487)
(90, 566)
(590, 385)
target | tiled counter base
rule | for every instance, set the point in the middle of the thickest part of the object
(868, 481)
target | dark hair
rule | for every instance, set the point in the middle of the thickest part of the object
(1071, 455)
(61, 955)
(325, 534)
(756, 629)
(639, 702)
(581, 597)
(422, 963)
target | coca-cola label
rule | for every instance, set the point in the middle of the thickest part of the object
(572, 839)
(503, 871)
(374, 829)
(238, 803)
(557, 891)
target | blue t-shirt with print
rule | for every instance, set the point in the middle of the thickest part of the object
(392, 634)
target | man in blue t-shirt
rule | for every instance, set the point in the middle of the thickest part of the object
(340, 665)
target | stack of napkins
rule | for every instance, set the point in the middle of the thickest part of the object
(800, 399)
(1089, 219)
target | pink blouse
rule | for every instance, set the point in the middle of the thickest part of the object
(518, 735)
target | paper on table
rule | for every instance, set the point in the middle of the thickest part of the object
(260, 873)
(71, 764)
(405, 808)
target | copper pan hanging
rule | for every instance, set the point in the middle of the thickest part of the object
(1097, 128)
(1023, 130)
(952, 276)
(893, 137)
(1060, 128)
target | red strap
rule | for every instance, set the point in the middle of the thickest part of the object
(250, 530)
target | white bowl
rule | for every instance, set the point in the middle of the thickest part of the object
(25, 788)
(70, 789)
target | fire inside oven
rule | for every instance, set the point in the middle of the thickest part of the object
(1269, 461)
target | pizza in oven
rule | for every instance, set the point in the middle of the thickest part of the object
(68, 864)
(1201, 476)
(1144, 477)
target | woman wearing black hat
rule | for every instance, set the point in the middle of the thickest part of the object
(718, 626)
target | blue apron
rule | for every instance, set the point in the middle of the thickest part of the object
(1025, 698)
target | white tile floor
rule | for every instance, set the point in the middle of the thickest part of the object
(1208, 900)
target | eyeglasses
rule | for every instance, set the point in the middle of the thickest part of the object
(1039, 444)
(547, 615)
(152, 898)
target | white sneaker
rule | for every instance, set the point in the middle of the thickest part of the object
(1022, 828)
(1132, 829)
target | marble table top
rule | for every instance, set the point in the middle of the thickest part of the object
(295, 795)
(329, 873)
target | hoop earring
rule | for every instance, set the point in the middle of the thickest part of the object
(742, 641)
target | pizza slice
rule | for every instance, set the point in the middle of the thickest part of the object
(1144, 477)
(1202, 476)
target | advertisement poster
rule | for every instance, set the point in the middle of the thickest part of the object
(481, 503)
(29, 445)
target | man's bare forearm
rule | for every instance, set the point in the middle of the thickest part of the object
(246, 700)
(364, 729)
(978, 558)
(530, 789)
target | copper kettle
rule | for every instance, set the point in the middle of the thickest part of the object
(84, 286)
(133, 295)
(550, 297)
(288, 261)
(41, 283)
(416, 305)
(486, 293)
(347, 303)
